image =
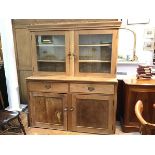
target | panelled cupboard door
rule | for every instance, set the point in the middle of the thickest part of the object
(92, 113)
(95, 52)
(47, 110)
(51, 52)
(147, 96)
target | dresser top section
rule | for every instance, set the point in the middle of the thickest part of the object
(65, 24)
(72, 78)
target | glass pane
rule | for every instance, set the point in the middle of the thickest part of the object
(51, 67)
(95, 53)
(92, 113)
(50, 39)
(51, 53)
(93, 39)
(92, 67)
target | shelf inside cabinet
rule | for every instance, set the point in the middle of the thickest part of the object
(109, 44)
(51, 45)
(99, 61)
(50, 61)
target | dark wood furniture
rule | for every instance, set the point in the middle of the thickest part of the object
(135, 90)
(120, 94)
(7, 118)
(145, 127)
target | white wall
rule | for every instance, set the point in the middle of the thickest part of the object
(126, 42)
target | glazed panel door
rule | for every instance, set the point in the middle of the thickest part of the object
(48, 110)
(51, 52)
(93, 113)
(95, 52)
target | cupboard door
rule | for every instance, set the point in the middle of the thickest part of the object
(92, 113)
(147, 95)
(95, 52)
(47, 110)
(51, 52)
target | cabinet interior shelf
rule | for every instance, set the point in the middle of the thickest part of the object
(95, 45)
(50, 61)
(51, 45)
(95, 61)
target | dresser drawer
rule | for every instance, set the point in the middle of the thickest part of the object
(48, 87)
(92, 88)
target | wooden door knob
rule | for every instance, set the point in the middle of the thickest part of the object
(47, 85)
(91, 88)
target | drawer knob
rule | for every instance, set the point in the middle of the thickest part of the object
(71, 109)
(65, 109)
(47, 86)
(91, 88)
